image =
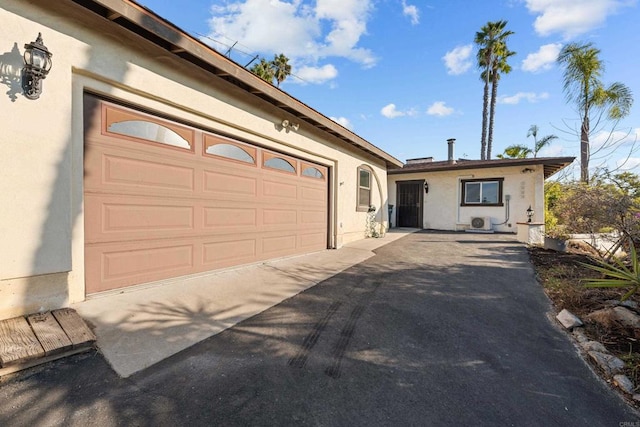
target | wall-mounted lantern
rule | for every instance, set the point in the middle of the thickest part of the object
(426, 187)
(529, 214)
(37, 63)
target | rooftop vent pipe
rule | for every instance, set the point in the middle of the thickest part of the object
(451, 141)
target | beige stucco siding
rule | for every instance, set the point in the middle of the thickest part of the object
(41, 252)
(442, 210)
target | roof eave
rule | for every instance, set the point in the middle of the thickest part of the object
(551, 165)
(145, 23)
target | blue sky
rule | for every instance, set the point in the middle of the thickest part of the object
(402, 74)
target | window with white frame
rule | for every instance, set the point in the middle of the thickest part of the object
(486, 192)
(364, 189)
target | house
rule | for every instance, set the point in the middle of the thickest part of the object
(145, 155)
(476, 195)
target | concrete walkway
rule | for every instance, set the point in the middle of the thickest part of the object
(140, 327)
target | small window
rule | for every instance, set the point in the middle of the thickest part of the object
(364, 189)
(150, 131)
(280, 164)
(312, 172)
(231, 152)
(482, 192)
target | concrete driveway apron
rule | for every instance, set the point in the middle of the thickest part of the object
(436, 329)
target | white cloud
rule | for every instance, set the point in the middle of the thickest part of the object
(457, 60)
(617, 138)
(250, 23)
(390, 111)
(628, 164)
(348, 20)
(572, 17)
(342, 121)
(553, 150)
(305, 32)
(616, 150)
(543, 59)
(528, 96)
(317, 74)
(412, 12)
(439, 109)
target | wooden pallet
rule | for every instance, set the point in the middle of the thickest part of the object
(42, 337)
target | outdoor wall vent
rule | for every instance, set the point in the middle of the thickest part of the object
(480, 223)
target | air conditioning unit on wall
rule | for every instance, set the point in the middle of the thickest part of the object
(480, 223)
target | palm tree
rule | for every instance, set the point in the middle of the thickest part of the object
(499, 66)
(264, 70)
(516, 151)
(484, 76)
(490, 39)
(281, 68)
(539, 144)
(582, 85)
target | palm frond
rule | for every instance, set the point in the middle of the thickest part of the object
(617, 275)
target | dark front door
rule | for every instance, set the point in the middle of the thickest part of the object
(410, 204)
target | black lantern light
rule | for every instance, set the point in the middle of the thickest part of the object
(37, 63)
(426, 187)
(529, 214)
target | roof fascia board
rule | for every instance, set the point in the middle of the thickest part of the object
(560, 161)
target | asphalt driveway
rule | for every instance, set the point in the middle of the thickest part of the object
(437, 329)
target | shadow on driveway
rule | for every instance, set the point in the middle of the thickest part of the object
(436, 329)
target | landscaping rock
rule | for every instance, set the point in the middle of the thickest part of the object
(624, 383)
(608, 317)
(605, 317)
(578, 334)
(568, 319)
(610, 364)
(627, 317)
(594, 346)
(627, 303)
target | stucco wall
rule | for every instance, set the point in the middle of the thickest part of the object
(442, 210)
(42, 250)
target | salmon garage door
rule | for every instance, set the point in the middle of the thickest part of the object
(164, 200)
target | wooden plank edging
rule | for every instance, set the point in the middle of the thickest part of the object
(75, 328)
(18, 342)
(27, 341)
(48, 331)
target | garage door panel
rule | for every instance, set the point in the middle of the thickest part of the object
(309, 217)
(280, 217)
(278, 190)
(222, 183)
(223, 254)
(117, 265)
(313, 240)
(132, 149)
(224, 218)
(154, 211)
(111, 217)
(132, 218)
(146, 173)
(314, 196)
(120, 265)
(108, 170)
(273, 246)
